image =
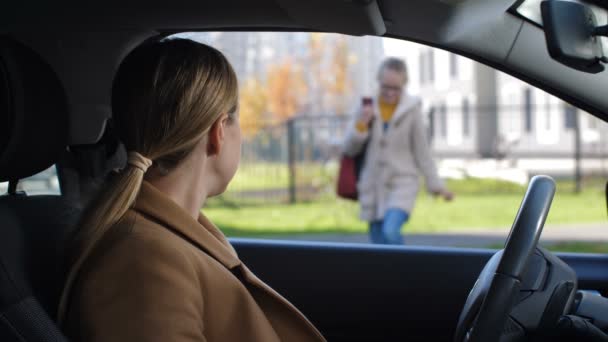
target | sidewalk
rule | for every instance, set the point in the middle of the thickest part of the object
(584, 232)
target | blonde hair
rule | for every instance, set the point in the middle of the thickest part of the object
(165, 98)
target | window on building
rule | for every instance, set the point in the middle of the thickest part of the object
(592, 120)
(431, 65)
(548, 116)
(454, 66)
(422, 68)
(569, 116)
(528, 109)
(432, 123)
(466, 117)
(443, 121)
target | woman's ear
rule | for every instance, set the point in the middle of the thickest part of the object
(216, 135)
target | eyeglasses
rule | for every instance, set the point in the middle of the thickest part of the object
(388, 87)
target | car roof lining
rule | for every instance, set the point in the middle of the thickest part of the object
(86, 47)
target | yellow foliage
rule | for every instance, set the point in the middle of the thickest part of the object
(253, 107)
(340, 68)
(287, 90)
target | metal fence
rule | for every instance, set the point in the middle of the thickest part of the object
(297, 160)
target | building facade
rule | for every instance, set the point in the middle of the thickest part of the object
(474, 110)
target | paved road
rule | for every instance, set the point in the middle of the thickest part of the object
(473, 237)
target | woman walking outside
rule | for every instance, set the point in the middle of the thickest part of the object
(390, 131)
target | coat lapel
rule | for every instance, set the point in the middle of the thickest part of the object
(253, 280)
(155, 205)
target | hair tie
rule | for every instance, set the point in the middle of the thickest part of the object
(138, 161)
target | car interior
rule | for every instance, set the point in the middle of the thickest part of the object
(57, 63)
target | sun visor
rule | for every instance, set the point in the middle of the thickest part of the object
(354, 17)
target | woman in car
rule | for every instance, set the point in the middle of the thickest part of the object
(149, 265)
(390, 131)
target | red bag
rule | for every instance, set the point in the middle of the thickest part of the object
(348, 175)
(350, 168)
(347, 179)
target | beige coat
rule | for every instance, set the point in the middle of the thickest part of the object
(394, 160)
(171, 278)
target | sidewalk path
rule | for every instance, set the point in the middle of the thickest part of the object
(585, 232)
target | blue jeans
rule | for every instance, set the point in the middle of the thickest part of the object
(388, 230)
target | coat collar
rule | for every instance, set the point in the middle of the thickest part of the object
(406, 103)
(155, 205)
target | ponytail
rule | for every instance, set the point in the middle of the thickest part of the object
(102, 214)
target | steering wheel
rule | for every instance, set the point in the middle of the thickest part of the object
(523, 289)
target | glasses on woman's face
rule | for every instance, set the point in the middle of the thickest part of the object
(391, 88)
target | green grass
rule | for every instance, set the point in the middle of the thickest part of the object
(479, 204)
(261, 176)
(579, 247)
(309, 218)
(468, 211)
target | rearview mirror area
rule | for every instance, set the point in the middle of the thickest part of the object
(570, 32)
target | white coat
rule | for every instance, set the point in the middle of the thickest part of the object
(394, 160)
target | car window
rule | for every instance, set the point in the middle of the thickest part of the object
(487, 132)
(42, 183)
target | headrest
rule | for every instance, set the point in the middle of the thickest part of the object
(33, 112)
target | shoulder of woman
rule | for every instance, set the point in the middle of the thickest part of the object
(134, 240)
(412, 101)
(410, 104)
(136, 272)
(124, 264)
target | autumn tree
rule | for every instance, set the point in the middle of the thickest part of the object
(253, 106)
(328, 64)
(314, 66)
(287, 90)
(338, 85)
